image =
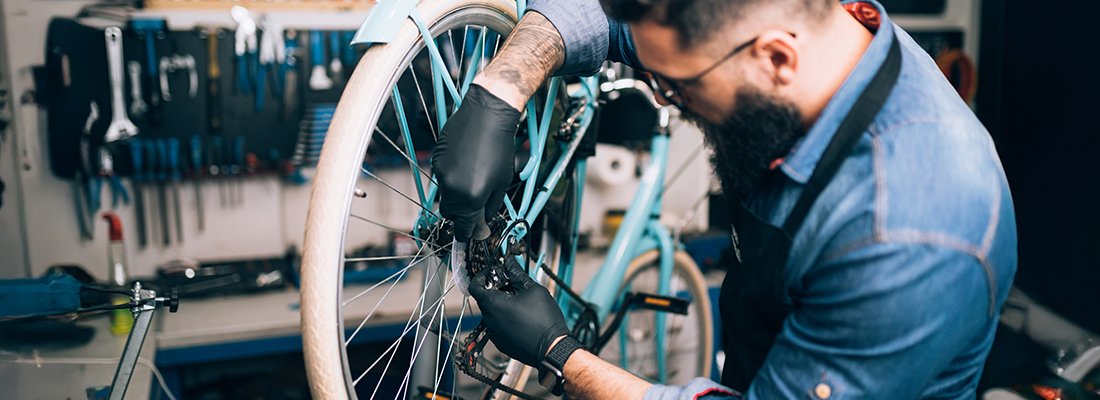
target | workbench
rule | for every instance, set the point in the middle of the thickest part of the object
(226, 328)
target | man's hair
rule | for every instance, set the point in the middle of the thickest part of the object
(697, 20)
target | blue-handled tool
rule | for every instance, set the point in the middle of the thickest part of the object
(136, 177)
(196, 178)
(334, 50)
(261, 78)
(237, 169)
(174, 176)
(288, 71)
(159, 169)
(350, 54)
(150, 29)
(218, 168)
(107, 172)
(244, 47)
(272, 55)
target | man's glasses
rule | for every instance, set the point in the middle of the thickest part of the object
(672, 89)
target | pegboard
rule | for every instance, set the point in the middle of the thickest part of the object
(76, 74)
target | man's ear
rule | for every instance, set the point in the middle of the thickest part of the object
(777, 52)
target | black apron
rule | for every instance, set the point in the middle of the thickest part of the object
(753, 300)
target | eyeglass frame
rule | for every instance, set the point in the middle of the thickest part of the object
(672, 89)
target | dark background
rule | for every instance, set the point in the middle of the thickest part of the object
(1037, 94)
(1038, 91)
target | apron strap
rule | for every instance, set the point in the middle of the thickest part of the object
(863, 112)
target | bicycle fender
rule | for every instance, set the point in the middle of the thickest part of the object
(383, 21)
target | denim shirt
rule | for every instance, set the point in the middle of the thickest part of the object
(898, 275)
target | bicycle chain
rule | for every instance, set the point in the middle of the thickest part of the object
(466, 361)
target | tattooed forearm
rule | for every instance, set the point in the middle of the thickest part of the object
(529, 56)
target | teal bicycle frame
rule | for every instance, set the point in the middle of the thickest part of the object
(640, 230)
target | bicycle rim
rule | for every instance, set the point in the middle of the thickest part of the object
(689, 338)
(370, 188)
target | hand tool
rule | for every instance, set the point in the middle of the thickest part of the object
(244, 46)
(238, 168)
(107, 172)
(174, 178)
(121, 127)
(273, 51)
(139, 195)
(160, 148)
(213, 83)
(272, 55)
(137, 103)
(317, 78)
(151, 30)
(335, 65)
(290, 69)
(217, 170)
(176, 63)
(350, 55)
(196, 178)
(85, 182)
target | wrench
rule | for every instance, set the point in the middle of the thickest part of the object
(121, 128)
(137, 104)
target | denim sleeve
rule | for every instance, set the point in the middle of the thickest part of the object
(697, 389)
(589, 36)
(881, 321)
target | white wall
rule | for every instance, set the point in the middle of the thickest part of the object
(12, 257)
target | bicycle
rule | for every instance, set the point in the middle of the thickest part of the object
(362, 194)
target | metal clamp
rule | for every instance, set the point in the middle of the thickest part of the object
(142, 303)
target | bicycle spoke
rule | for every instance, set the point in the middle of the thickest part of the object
(363, 322)
(387, 184)
(462, 50)
(437, 311)
(409, 326)
(450, 347)
(411, 264)
(406, 155)
(388, 228)
(475, 63)
(454, 57)
(380, 258)
(427, 114)
(681, 169)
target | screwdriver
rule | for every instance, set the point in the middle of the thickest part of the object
(175, 177)
(196, 169)
(138, 175)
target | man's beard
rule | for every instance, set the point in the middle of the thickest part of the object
(761, 129)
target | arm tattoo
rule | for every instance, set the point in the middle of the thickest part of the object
(531, 54)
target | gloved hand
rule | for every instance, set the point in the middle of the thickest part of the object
(473, 160)
(524, 323)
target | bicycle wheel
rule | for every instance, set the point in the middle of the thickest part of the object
(689, 339)
(372, 214)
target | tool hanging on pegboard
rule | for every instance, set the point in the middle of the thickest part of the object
(311, 136)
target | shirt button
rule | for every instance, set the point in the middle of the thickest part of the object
(823, 391)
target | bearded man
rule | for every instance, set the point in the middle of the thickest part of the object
(873, 221)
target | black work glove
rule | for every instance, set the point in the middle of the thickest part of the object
(473, 160)
(522, 323)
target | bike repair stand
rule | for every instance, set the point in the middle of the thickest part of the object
(143, 303)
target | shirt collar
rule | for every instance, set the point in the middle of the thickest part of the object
(801, 161)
